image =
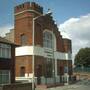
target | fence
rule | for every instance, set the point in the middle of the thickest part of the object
(82, 69)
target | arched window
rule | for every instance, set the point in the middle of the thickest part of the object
(47, 39)
(23, 39)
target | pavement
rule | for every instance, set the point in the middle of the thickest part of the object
(83, 84)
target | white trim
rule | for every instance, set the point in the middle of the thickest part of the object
(23, 79)
(55, 68)
(47, 30)
(68, 56)
(24, 50)
(39, 51)
(27, 11)
(26, 74)
(9, 77)
(33, 26)
(6, 73)
(27, 78)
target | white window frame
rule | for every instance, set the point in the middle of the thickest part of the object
(6, 73)
(5, 50)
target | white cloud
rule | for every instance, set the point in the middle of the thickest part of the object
(5, 29)
(78, 29)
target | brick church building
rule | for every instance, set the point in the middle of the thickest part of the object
(42, 48)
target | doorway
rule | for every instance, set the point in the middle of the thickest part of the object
(39, 74)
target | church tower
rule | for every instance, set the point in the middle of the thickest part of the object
(24, 15)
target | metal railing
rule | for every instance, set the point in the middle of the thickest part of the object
(80, 69)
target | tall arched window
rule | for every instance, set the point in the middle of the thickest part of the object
(47, 39)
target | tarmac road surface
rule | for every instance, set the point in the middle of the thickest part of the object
(81, 85)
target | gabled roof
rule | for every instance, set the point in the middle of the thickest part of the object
(3, 40)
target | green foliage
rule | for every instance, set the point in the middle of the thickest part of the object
(83, 57)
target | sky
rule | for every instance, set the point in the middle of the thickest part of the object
(71, 16)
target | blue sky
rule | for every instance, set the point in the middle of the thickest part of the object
(62, 9)
(71, 16)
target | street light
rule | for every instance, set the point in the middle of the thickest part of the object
(35, 18)
(33, 79)
(53, 63)
(67, 67)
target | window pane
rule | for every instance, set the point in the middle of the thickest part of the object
(23, 39)
(5, 50)
(0, 78)
(47, 39)
(4, 77)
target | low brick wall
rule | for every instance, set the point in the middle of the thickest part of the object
(1, 88)
(17, 86)
(82, 75)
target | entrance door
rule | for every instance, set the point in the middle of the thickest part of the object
(22, 71)
(39, 74)
(61, 73)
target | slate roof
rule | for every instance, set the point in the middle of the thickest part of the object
(3, 40)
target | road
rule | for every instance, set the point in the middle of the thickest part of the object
(84, 84)
(81, 85)
(71, 87)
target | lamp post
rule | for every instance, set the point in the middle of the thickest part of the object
(33, 43)
(67, 69)
(33, 58)
(53, 63)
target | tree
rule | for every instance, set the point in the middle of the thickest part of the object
(83, 57)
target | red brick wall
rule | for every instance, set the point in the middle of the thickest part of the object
(23, 26)
(38, 34)
(23, 21)
(25, 61)
(59, 43)
(28, 6)
(67, 45)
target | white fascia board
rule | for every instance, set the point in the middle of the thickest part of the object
(28, 50)
(24, 50)
(59, 55)
(68, 56)
(62, 56)
(39, 51)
